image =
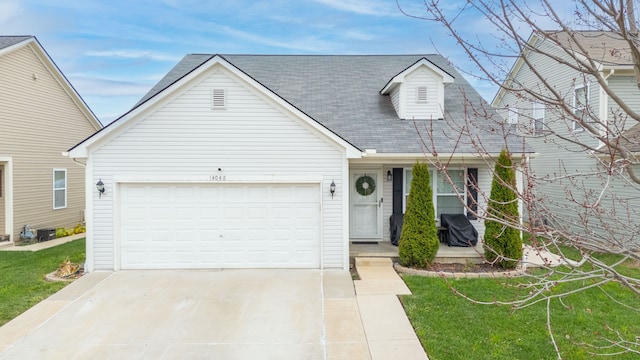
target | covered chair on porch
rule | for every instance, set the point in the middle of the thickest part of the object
(460, 230)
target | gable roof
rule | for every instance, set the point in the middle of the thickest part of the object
(399, 78)
(7, 41)
(631, 139)
(11, 43)
(604, 47)
(342, 93)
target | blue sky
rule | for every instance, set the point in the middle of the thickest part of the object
(114, 51)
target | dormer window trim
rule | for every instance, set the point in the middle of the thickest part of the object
(400, 77)
(419, 97)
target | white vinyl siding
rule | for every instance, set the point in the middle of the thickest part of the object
(254, 140)
(425, 95)
(395, 100)
(59, 188)
(626, 88)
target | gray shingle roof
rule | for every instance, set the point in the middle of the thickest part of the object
(631, 139)
(605, 47)
(6, 41)
(342, 92)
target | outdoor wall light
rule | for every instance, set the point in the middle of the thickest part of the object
(389, 175)
(332, 188)
(100, 187)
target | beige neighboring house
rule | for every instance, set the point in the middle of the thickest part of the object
(41, 115)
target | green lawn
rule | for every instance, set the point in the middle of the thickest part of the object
(451, 327)
(22, 283)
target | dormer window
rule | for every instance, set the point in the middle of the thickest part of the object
(417, 93)
(421, 95)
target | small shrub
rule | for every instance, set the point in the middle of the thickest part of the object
(501, 240)
(419, 242)
(60, 232)
(79, 229)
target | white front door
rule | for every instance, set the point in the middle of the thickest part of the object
(366, 204)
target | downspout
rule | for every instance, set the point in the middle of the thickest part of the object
(603, 105)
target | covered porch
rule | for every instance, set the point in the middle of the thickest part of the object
(446, 254)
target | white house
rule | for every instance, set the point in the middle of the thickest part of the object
(276, 161)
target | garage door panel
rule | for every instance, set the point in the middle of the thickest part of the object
(220, 225)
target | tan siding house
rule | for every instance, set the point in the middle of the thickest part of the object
(41, 115)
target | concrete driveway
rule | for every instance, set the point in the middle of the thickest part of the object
(214, 314)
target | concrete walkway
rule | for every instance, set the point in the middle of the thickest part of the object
(41, 245)
(389, 333)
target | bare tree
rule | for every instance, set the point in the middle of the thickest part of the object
(564, 62)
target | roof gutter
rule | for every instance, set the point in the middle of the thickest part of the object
(375, 156)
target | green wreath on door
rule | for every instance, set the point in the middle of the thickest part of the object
(365, 185)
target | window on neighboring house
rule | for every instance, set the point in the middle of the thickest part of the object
(445, 199)
(59, 188)
(421, 95)
(512, 117)
(580, 103)
(538, 109)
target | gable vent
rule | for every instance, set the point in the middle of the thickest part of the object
(421, 94)
(218, 99)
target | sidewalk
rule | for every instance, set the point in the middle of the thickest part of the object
(42, 245)
(389, 333)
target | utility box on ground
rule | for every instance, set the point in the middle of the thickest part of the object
(46, 234)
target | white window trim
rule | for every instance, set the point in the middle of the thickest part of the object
(58, 189)
(512, 117)
(434, 189)
(575, 126)
(538, 112)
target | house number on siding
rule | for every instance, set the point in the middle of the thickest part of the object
(217, 178)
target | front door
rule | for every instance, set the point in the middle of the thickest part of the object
(366, 204)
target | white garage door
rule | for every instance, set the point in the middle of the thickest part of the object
(188, 226)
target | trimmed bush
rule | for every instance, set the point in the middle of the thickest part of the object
(502, 241)
(419, 243)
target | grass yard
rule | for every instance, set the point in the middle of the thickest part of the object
(22, 283)
(451, 327)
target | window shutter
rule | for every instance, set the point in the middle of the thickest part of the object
(397, 190)
(218, 99)
(472, 193)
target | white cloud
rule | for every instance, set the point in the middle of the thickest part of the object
(9, 10)
(133, 54)
(299, 44)
(363, 7)
(101, 86)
